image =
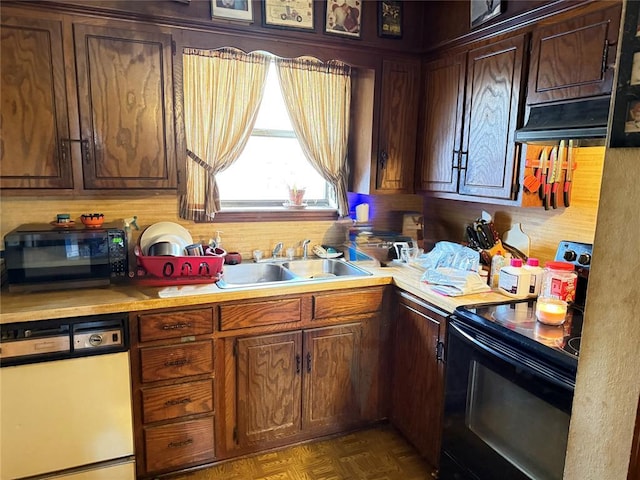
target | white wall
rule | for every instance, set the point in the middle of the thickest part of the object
(608, 383)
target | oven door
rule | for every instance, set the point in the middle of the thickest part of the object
(506, 414)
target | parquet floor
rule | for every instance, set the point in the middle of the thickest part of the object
(376, 454)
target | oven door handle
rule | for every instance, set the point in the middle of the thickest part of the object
(512, 356)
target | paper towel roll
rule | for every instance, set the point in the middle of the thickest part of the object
(362, 213)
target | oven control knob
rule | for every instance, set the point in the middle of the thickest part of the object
(584, 259)
(570, 255)
(95, 339)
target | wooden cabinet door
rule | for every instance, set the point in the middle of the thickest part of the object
(332, 377)
(33, 114)
(398, 124)
(441, 124)
(125, 93)
(493, 86)
(574, 58)
(269, 371)
(418, 377)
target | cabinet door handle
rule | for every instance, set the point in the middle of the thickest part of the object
(182, 443)
(175, 326)
(463, 165)
(605, 54)
(308, 362)
(174, 402)
(455, 160)
(86, 153)
(298, 362)
(384, 156)
(177, 363)
(439, 351)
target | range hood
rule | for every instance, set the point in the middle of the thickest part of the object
(582, 120)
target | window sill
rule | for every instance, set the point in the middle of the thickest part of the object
(310, 214)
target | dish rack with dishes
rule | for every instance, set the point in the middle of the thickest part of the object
(178, 270)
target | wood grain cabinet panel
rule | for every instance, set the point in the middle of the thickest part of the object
(179, 445)
(493, 97)
(125, 90)
(269, 392)
(332, 380)
(398, 124)
(176, 361)
(174, 401)
(33, 111)
(574, 58)
(158, 326)
(472, 101)
(335, 305)
(418, 376)
(252, 314)
(439, 152)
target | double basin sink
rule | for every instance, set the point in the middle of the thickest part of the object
(257, 274)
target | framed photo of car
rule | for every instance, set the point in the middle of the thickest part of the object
(295, 14)
(232, 10)
(344, 17)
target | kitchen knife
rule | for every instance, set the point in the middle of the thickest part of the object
(544, 167)
(557, 174)
(472, 239)
(551, 172)
(568, 175)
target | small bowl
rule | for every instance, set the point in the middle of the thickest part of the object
(92, 220)
(165, 249)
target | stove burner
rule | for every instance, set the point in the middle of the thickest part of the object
(573, 346)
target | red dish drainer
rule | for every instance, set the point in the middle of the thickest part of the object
(184, 270)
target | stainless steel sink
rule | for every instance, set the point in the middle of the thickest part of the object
(253, 274)
(324, 268)
(257, 274)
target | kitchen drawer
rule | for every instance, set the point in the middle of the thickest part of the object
(173, 401)
(176, 361)
(347, 303)
(181, 323)
(245, 315)
(179, 444)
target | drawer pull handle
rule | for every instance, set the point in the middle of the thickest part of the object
(172, 403)
(177, 363)
(176, 326)
(183, 443)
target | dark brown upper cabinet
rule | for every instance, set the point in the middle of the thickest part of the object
(574, 58)
(470, 114)
(125, 92)
(34, 150)
(398, 126)
(444, 81)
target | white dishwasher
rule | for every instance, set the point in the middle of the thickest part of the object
(65, 399)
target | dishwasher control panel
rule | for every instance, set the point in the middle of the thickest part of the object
(48, 340)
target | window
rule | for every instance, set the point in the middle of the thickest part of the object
(271, 162)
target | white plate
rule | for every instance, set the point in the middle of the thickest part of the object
(153, 233)
(320, 251)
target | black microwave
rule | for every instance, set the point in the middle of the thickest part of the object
(43, 257)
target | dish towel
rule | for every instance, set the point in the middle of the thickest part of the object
(454, 282)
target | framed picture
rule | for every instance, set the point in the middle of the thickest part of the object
(484, 10)
(344, 17)
(625, 125)
(390, 19)
(232, 10)
(296, 14)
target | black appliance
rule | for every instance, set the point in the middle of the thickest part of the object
(509, 386)
(583, 120)
(46, 257)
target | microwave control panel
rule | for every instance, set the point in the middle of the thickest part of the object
(118, 254)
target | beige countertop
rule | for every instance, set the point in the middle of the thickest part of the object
(22, 307)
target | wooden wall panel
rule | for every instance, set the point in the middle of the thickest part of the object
(242, 237)
(446, 219)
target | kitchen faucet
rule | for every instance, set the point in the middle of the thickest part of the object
(277, 249)
(305, 248)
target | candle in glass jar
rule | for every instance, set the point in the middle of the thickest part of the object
(551, 311)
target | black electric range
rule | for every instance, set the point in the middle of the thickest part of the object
(515, 322)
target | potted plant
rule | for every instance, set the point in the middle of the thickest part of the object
(296, 195)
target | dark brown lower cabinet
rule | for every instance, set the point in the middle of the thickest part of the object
(293, 382)
(418, 375)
